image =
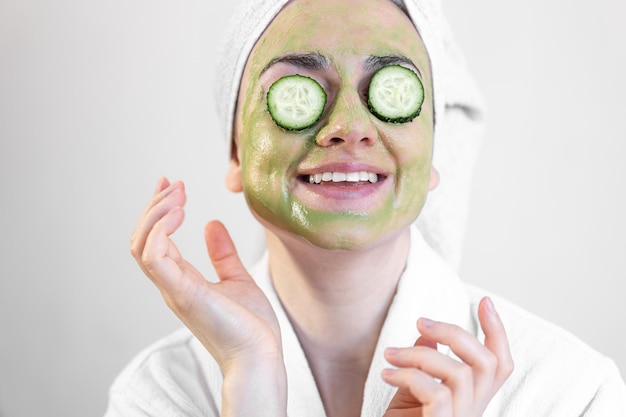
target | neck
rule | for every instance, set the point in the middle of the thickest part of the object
(337, 302)
(356, 283)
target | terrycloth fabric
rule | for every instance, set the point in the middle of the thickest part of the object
(459, 110)
(555, 374)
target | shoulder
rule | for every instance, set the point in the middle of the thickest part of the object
(554, 369)
(167, 358)
(535, 335)
(168, 378)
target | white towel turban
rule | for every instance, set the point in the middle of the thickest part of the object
(459, 110)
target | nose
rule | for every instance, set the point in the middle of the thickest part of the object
(349, 122)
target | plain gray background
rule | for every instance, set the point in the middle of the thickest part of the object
(100, 98)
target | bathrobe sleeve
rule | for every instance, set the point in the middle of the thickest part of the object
(168, 379)
(556, 374)
(610, 398)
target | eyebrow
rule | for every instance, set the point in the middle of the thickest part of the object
(373, 63)
(317, 62)
(311, 61)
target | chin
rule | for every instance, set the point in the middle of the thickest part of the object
(346, 232)
(332, 237)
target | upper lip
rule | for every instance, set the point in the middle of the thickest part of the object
(343, 167)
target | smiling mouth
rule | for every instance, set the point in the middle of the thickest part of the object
(345, 178)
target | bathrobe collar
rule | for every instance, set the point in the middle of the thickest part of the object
(427, 288)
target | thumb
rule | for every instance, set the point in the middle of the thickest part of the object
(223, 253)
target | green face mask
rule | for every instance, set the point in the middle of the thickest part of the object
(350, 179)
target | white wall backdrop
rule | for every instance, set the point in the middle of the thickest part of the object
(98, 99)
(548, 227)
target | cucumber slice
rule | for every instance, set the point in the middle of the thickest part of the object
(296, 102)
(395, 94)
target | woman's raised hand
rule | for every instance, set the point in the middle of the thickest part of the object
(463, 389)
(232, 318)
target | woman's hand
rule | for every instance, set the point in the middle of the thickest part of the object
(232, 318)
(466, 387)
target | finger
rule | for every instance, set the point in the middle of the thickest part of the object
(163, 202)
(162, 184)
(137, 238)
(403, 358)
(402, 401)
(495, 339)
(482, 361)
(422, 341)
(435, 397)
(160, 256)
(223, 253)
(176, 278)
(163, 191)
(457, 376)
(462, 343)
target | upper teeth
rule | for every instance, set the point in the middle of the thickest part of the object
(343, 176)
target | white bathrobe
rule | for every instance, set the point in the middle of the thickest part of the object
(555, 374)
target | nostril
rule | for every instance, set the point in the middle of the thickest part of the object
(336, 140)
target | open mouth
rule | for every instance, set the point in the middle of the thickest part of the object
(342, 178)
(336, 189)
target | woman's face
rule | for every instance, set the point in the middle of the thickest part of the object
(340, 44)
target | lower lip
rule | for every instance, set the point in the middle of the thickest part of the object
(341, 196)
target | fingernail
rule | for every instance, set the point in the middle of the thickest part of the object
(176, 186)
(489, 305)
(160, 184)
(387, 373)
(391, 351)
(426, 322)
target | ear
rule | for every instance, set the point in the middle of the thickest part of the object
(233, 176)
(434, 178)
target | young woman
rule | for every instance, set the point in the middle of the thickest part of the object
(350, 312)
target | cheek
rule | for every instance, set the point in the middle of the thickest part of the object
(269, 159)
(259, 157)
(411, 142)
(413, 154)
(256, 145)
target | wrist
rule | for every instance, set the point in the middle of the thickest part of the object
(255, 388)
